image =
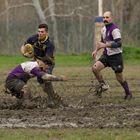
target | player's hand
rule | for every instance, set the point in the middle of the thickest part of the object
(63, 78)
(101, 45)
(28, 55)
(94, 53)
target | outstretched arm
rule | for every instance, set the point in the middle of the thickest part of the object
(49, 77)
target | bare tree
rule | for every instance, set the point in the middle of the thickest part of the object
(55, 29)
(7, 24)
(39, 11)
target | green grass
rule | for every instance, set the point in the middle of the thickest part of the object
(69, 134)
(131, 57)
(131, 53)
(73, 60)
(61, 60)
(11, 61)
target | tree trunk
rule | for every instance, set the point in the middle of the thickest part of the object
(39, 11)
(7, 25)
(55, 29)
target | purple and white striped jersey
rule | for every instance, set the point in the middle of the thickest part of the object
(26, 70)
(109, 35)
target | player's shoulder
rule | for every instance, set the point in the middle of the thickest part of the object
(114, 27)
(51, 40)
(32, 39)
(29, 65)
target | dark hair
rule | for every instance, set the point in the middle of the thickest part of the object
(43, 26)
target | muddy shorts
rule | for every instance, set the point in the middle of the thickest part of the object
(113, 61)
(14, 85)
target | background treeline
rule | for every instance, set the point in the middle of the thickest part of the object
(71, 22)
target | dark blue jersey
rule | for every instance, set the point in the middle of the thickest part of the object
(41, 49)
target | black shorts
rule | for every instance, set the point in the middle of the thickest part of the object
(113, 61)
(14, 85)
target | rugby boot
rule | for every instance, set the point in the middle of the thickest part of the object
(59, 101)
(50, 103)
(128, 97)
(98, 90)
(104, 86)
(101, 87)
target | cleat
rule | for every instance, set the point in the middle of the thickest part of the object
(98, 91)
(51, 104)
(59, 101)
(128, 97)
(56, 101)
(104, 86)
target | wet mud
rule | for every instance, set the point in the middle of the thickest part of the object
(84, 108)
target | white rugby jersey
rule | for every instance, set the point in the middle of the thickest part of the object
(109, 34)
(28, 66)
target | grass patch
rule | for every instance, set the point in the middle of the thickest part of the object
(69, 134)
(61, 60)
(131, 57)
(73, 60)
(131, 53)
(11, 61)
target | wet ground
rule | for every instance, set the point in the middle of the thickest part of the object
(84, 108)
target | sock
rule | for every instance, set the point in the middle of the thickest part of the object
(126, 88)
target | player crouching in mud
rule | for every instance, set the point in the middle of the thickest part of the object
(16, 81)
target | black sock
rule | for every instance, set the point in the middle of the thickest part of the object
(126, 88)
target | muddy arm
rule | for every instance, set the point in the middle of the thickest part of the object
(49, 77)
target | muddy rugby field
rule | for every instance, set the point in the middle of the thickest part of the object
(84, 108)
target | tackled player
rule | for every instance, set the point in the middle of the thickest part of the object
(16, 81)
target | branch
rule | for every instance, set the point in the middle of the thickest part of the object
(73, 12)
(15, 6)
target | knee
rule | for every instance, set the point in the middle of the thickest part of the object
(94, 69)
(25, 89)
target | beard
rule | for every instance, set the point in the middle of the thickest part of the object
(41, 38)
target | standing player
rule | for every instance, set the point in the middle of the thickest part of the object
(43, 47)
(112, 55)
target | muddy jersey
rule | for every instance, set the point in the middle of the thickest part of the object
(26, 70)
(41, 49)
(110, 34)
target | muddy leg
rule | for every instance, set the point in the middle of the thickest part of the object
(25, 96)
(54, 99)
